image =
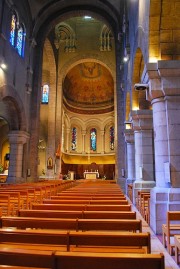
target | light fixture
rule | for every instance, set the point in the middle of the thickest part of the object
(141, 86)
(128, 125)
(3, 66)
(125, 59)
(87, 17)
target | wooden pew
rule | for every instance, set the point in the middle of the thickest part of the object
(81, 207)
(130, 191)
(6, 205)
(26, 257)
(72, 224)
(78, 214)
(171, 228)
(146, 207)
(95, 202)
(87, 197)
(76, 241)
(76, 260)
(15, 199)
(24, 196)
(139, 199)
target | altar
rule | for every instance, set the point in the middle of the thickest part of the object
(91, 175)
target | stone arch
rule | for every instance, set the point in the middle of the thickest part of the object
(86, 58)
(46, 20)
(12, 109)
(78, 122)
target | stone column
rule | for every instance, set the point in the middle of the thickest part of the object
(130, 152)
(17, 139)
(144, 160)
(67, 139)
(83, 141)
(164, 94)
(102, 141)
(51, 141)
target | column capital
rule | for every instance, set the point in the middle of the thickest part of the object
(129, 136)
(163, 78)
(102, 132)
(18, 137)
(142, 119)
(83, 132)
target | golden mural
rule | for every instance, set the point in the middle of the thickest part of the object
(89, 85)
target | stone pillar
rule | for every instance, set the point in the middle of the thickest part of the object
(144, 160)
(164, 94)
(17, 139)
(83, 141)
(67, 139)
(51, 141)
(102, 141)
(130, 153)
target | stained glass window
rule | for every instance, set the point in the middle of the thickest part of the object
(20, 41)
(112, 138)
(93, 139)
(74, 138)
(17, 35)
(45, 94)
(13, 30)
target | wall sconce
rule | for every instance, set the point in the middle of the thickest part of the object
(125, 59)
(3, 65)
(128, 125)
(141, 86)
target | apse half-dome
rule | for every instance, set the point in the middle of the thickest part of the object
(89, 88)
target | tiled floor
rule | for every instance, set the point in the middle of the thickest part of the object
(156, 245)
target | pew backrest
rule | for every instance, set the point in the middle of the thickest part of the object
(72, 224)
(77, 214)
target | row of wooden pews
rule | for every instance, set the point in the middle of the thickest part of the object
(22, 196)
(143, 204)
(82, 226)
(171, 233)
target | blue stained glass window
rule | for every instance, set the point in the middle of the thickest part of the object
(93, 139)
(74, 138)
(17, 35)
(13, 30)
(112, 138)
(20, 41)
(45, 94)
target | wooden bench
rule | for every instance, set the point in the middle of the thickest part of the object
(139, 199)
(78, 214)
(6, 205)
(76, 241)
(171, 228)
(82, 207)
(95, 202)
(177, 247)
(91, 194)
(146, 207)
(24, 196)
(130, 192)
(75, 260)
(26, 257)
(15, 199)
(72, 224)
(88, 197)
